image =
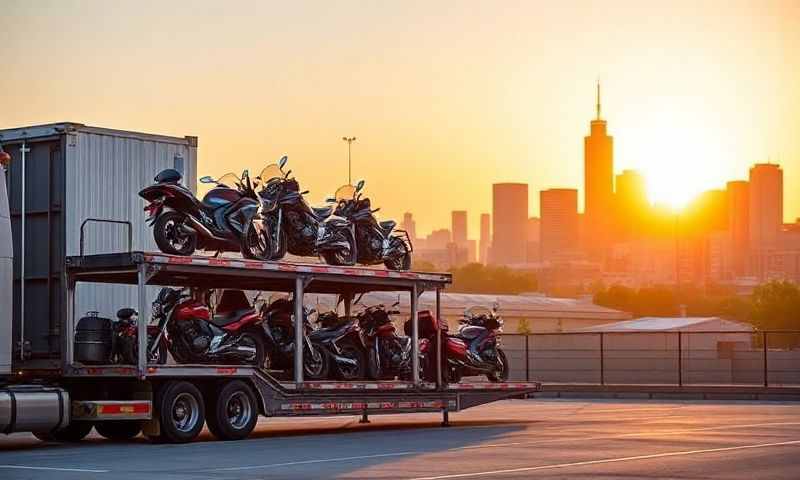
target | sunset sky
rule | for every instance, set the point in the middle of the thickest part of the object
(444, 97)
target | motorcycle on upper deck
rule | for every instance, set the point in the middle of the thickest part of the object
(376, 242)
(182, 223)
(285, 222)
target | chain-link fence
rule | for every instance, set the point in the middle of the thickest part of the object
(765, 358)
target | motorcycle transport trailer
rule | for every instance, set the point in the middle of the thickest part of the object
(171, 402)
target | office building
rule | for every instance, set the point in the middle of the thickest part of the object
(739, 225)
(485, 238)
(766, 214)
(559, 223)
(510, 216)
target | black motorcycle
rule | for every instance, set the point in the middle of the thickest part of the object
(292, 225)
(342, 342)
(233, 335)
(278, 323)
(182, 223)
(389, 354)
(125, 345)
(376, 242)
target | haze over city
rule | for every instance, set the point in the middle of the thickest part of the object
(469, 94)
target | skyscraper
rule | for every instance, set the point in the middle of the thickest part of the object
(486, 237)
(598, 171)
(739, 225)
(766, 212)
(510, 215)
(630, 204)
(409, 225)
(459, 227)
(559, 224)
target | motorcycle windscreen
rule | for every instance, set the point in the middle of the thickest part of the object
(345, 192)
(230, 180)
(269, 172)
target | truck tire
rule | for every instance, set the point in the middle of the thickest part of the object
(180, 410)
(74, 432)
(119, 429)
(233, 412)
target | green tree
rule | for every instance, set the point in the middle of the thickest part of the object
(776, 306)
(478, 278)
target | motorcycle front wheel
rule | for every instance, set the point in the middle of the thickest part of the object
(402, 259)
(501, 374)
(169, 236)
(256, 241)
(315, 363)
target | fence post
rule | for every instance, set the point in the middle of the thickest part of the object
(764, 341)
(602, 361)
(680, 360)
(527, 359)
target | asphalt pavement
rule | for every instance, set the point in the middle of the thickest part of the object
(512, 439)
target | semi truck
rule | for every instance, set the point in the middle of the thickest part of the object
(60, 398)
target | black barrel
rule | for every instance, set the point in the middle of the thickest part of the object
(93, 339)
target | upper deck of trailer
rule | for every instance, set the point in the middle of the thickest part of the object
(163, 269)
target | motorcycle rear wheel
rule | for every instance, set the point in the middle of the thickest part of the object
(339, 257)
(168, 237)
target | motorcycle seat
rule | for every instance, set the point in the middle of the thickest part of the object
(227, 318)
(387, 225)
(322, 212)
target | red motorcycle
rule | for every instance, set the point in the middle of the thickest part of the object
(474, 350)
(388, 354)
(186, 327)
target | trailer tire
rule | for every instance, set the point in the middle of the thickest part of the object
(74, 432)
(233, 412)
(119, 429)
(180, 411)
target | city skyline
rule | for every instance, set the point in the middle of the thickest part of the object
(443, 103)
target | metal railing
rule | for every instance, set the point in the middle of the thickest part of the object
(754, 358)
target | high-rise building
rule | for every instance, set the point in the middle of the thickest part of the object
(459, 227)
(510, 215)
(559, 224)
(410, 226)
(631, 205)
(485, 238)
(598, 171)
(739, 225)
(766, 212)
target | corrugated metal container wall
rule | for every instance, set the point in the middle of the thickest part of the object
(104, 175)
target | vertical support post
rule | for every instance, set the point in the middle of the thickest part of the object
(348, 304)
(24, 149)
(680, 359)
(766, 371)
(298, 329)
(527, 358)
(141, 325)
(602, 360)
(439, 333)
(445, 417)
(68, 328)
(414, 335)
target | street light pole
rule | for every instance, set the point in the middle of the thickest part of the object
(349, 141)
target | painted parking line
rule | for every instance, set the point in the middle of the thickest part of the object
(492, 473)
(53, 469)
(311, 462)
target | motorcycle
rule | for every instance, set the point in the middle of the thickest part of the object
(340, 338)
(182, 223)
(292, 225)
(278, 323)
(389, 355)
(125, 345)
(376, 242)
(233, 335)
(474, 350)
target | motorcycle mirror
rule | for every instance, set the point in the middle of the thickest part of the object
(287, 174)
(359, 185)
(283, 161)
(207, 179)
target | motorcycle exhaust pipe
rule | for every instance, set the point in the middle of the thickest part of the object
(344, 360)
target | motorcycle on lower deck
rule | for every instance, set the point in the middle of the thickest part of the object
(278, 324)
(285, 222)
(182, 223)
(389, 355)
(376, 242)
(340, 338)
(186, 327)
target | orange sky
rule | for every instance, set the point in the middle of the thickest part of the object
(444, 97)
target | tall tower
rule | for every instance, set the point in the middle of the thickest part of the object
(598, 181)
(485, 238)
(766, 212)
(510, 216)
(459, 227)
(559, 224)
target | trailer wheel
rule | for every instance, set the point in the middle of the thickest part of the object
(119, 429)
(74, 432)
(180, 411)
(233, 412)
